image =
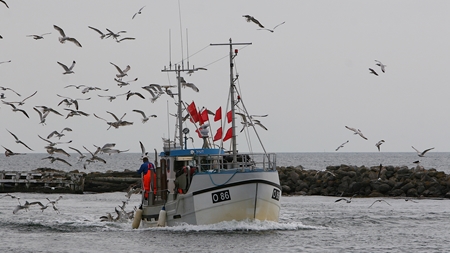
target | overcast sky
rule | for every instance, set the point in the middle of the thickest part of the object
(311, 75)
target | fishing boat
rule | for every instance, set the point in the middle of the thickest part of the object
(201, 186)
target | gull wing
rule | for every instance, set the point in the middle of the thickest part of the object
(61, 31)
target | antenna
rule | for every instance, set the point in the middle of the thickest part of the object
(181, 35)
(170, 49)
(187, 47)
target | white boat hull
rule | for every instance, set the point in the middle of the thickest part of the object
(213, 198)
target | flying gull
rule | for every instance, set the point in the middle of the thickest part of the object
(346, 200)
(23, 101)
(273, 29)
(37, 37)
(15, 109)
(8, 152)
(1, 62)
(68, 70)
(75, 113)
(379, 200)
(69, 101)
(26, 206)
(4, 3)
(81, 157)
(122, 72)
(102, 35)
(6, 88)
(252, 19)
(129, 94)
(379, 144)
(53, 159)
(121, 83)
(52, 144)
(58, 134)
(356, 131)
(111, 98)
(19, 141)
(139, 12)
(143, 152)
(421, 154)
(373, 72)
(145, 118)
(341, 146)
(382, 66)
(63, 37)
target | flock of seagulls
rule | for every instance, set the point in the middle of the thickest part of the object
(26, 206)
(349, 200)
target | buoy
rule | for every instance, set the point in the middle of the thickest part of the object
(162, 217)
(137, 218)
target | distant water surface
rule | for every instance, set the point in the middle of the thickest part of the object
(310, 161)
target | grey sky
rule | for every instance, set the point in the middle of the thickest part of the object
(311, 75)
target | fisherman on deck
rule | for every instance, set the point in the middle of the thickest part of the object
(148, 172)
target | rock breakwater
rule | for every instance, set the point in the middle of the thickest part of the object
(389, 181)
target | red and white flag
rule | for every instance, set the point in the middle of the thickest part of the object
(192, 110)
(218, 115)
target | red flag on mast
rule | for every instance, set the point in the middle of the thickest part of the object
(228, 135)
(229, 116)
(192, 110)
(218, 115)
(203, 116)
(218, 134)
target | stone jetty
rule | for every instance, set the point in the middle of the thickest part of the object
(348, 180)
(339, 180)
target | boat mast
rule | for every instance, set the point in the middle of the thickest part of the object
(232, 87)
(178, 69)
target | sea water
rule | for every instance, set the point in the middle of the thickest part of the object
(307, 223)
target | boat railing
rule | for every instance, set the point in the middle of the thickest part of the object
(265, 161)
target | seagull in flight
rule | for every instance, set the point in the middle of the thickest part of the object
(8, 152)
(252, 19)
(52, 144)
(63, 37)
(23, 101)
(37, 37)
(382, 66)
(69, 101)
(122, 72)
(373, 72)
(379, 144)
(6, 88)
(143, 152)
(58, 134)
(356, 131)
(346, 200)
(4, 3)
(145, 118)
(185, 84)
(379, 200)
(14, 109)
(81, 157)
(1, 62)
(129, 94)
(341, 146)
(421, 154)
(68, 70)
(26, 206)
(19, 141)
(139, 12)
(102, 35)
(111, 98)
(121, 83)
(53, 159)
(273, 29)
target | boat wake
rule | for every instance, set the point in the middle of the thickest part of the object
(246, 225)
